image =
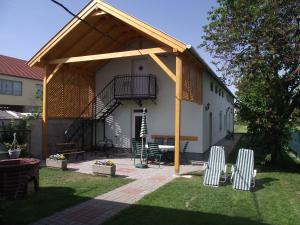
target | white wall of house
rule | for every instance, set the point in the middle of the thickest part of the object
(221, 109)
(161, 114)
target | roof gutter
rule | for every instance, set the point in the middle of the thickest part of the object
(193, 51)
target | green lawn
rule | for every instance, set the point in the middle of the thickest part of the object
(275, 201)
(240, 128)
(58, 190)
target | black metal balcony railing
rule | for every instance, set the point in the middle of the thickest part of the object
(135, 86)
(121, 87)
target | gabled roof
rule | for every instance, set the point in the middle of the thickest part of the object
(18, 67)
(86, 14)
(78, 39)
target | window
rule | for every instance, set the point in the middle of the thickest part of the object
(9, 87)
(212, 86)
(39, 91)
(216, 89)
(17, 88)
(220, 91)
(220, 120)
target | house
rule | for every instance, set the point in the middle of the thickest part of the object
(102, 70)
(20, 85)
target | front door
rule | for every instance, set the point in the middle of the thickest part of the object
(136, 125)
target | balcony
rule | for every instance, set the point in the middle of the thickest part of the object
(136, 87)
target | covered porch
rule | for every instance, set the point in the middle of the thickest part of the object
(73, 57)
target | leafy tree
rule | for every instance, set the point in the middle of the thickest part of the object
(256, 45)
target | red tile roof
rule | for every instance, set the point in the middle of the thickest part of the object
(18, 67)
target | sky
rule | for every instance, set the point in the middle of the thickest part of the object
(26, 25)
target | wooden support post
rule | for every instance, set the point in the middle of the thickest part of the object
(45, 118)
(163, 66)
(178, 113)
(54, 72)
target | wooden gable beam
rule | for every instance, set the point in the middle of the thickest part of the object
(141, 26)
(117, 46)
(163, 66)
(55, 70)
(112, 55)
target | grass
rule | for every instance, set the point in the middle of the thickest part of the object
(58, 190)
(240, 128)
(275, 201)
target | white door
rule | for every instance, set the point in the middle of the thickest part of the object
(136, 123)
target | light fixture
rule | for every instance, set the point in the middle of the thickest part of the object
(207, 106)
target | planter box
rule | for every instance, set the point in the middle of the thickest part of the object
(104, 170)
(62, 164)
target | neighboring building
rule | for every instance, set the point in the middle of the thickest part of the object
(20, 85)
(129, 65)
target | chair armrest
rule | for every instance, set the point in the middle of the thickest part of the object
(225, 169)
(232, 169)
(232, 173)
(254, 173)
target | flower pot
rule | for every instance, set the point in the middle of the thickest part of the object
(61, 164)
(14, 153)
(104, 170)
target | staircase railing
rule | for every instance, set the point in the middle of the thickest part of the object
(121, 87)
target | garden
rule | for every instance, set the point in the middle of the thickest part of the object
(275, 199)
(58, 190)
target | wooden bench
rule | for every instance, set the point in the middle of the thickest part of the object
(68, 149)
(165, 138)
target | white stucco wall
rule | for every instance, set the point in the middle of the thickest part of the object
(161, 114)
(217, 104)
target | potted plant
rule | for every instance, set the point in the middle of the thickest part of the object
(104, 167)
(14, 149)
(14, 153)
(57, 161)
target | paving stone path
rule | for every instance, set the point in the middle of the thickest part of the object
(99, 209)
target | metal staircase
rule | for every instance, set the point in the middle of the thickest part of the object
(84, 129)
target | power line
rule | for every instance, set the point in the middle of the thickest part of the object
(84, 21)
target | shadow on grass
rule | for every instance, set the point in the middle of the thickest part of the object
(41, 205)
(261, 183)
(45, 202)
(149, 215)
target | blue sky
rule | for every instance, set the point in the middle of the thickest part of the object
(26, 25)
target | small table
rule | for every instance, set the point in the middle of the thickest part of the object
(164, 148)
(166, 151)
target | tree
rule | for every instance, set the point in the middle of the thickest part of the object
(256, 45)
